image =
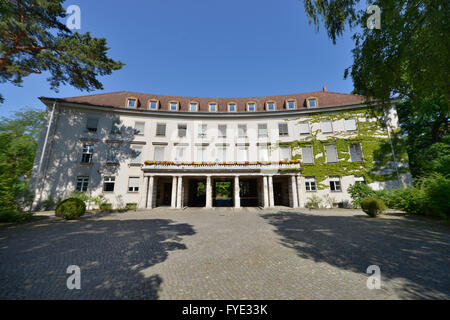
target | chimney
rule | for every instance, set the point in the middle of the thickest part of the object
(324, 88)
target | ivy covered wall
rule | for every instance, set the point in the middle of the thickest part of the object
(377, 160)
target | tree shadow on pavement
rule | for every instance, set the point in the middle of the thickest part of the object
(110, 253)
(415, 250)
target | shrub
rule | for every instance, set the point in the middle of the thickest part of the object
(372, 206)
(313, 202)
(105, 207)
(131, 206)
(71, 208)
(358, 192)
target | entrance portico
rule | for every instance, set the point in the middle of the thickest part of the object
(240, 186)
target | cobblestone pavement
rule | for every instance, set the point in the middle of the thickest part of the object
(226, 254)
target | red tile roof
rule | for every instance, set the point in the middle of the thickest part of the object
(119, 99)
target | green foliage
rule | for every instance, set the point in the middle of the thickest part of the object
(372, 206)
(70, 209)
(14, 216)
(372, 135)
(34, 40)
(358, 192)
(131, 206)
(105, 207)
(223, 189)
(18, 143)
(314, 201)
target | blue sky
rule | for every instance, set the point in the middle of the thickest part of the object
(209, 48)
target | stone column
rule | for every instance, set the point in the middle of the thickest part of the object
(294, 192)
(265, 190)
(144, 194)
(237, 197)
(151, 182)
(179, 192)
(174, 193)
(299, 192)
(271, 199)
(208, 192)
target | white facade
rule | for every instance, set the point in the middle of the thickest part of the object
(97, 150)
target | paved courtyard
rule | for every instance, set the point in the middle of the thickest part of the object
(226, 254)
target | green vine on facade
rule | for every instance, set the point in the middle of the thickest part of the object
(377, 160)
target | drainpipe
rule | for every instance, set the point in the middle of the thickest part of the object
(41, 160)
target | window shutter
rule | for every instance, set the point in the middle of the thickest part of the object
(285, 153)
(350, 124)
(304, 127)
(139, 127)
(355, 152)
(136, 154)
(327, 126)
(159, 153)
(262, 130)
(222, 130)
(283, 129)
(331, 153)
(242, 130)
(92, 124)
(307, 155)
(133, 182)
(182, 129)
(161, 129)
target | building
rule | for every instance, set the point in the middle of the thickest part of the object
(153, 150)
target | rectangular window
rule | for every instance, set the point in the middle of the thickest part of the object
(355, 152)
(173, 106)
(201, 154)
(180, 153)
(88, 151)
(108, 184)
(312, 103)
(331, 153)
(283, 129)
(285, 153)
(222, 130)
(262, 130)
(160, 129)
(111, 157)
(139, 128)
(202, 130)
(232, 107)
(335, 184)
(153, 105)
(271, 106)
(221, 154)
(310, 184)
(136, 154)
(182, 130)
(131, 103)
(304, 127)
(242, 130)
(251, 107)
(327, 126)
(115, 127)
(307, 155)
(242, 153)
(212, 107)
(291, 104)
(91, 124)
(133, 184)
(350, 124)
(82, 184)
(193, 107)
(159, 153)
(263, 153)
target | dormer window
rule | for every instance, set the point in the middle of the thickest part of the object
(173, 106)
(291, 104)
(131, 103)
(213, 107)
(312, 102)
(251, 107)
(232, 107)
(153, 105)
(193, 107)
(270, 106)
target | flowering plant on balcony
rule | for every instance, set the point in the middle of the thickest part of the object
(224, 163)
